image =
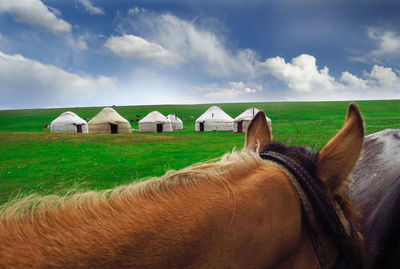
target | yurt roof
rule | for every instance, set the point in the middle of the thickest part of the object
(154, 116)
(69, 117)
(215, 113)
(248, 114)
(108, 114)
(174, 117)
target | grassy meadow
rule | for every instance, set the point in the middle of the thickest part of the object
(33, 160)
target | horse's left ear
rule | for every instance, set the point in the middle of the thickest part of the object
(337, 160)
(258, 133)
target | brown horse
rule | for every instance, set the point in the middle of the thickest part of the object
(239, 212)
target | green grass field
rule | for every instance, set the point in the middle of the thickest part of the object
(32, 160)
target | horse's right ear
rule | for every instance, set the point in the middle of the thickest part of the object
(339, 157)
(258, 133)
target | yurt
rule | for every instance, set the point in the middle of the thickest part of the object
(108, 121)
(69, 122)
(155, 122)
(241, 122)
(177, 123)
(214, 119)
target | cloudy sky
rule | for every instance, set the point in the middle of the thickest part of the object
(63, 53)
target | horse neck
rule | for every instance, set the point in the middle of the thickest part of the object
(255, 221)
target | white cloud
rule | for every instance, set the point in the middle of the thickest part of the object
(81, 43)
(35, 13)
(248, 90)
(228, 90)
(353, 81)
(54, 11)
(33, 80)
(387, 47)
(134, 47)
(301, 74)
(379, 79)
(380, 83)
(200, 47)
(388, 42)
(135, 10)
(203, 47)
(305, 81)
(91, 8)
(383, 77)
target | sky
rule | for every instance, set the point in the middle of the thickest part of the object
(70, 53)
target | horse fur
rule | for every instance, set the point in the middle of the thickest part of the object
(173, 221)
(377, 171)
(376, 194)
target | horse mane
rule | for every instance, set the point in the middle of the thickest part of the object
(222, 170)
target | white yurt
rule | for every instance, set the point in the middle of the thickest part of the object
(108, 121)
(69, 122)
(214, 119)
(177, 123)
(241, 122)
(155, 122)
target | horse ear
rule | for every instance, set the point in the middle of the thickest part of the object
(258, 133)
(339, 157)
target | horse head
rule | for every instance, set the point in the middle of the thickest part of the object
(331, 168)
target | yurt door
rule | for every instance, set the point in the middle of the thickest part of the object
(159, 127)
(240, 127)
(114, 128)
(201, 126)
(79, 129)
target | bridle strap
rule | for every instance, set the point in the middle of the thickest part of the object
(325, 212)
(325, 249)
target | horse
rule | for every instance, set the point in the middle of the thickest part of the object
(244, 210)
(382, 231)
(377, 171)
(376, 193)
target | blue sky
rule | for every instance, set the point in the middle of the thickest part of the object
(58, 53)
